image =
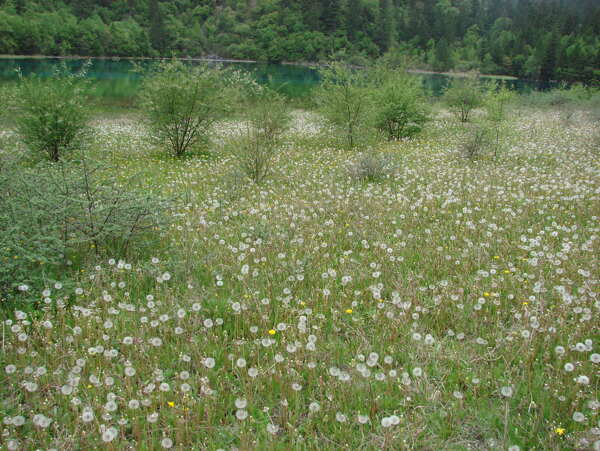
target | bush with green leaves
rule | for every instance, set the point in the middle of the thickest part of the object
(54, 215)
(265, 122)
(400, 109)
(463, 96)
(52, 113)
(344, 100)
(182, 102)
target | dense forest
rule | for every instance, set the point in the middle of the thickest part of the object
(540, 39)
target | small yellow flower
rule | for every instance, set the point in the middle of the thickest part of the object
(348, 310)
(525, 303)
(506, 271)
(272, 332)
(486, 294)
(560, 431)
(496, 257)
(171, 404)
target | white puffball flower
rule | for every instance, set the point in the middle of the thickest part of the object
(507, 391)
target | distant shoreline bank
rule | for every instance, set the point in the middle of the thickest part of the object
(217, 59)
(463, 74)
(127, 58)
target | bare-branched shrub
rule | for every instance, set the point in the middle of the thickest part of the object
(344, 100)
(476, 142)
(595, 141)
(567, 116)
(371, 167)
(497, 102)
(266, 120)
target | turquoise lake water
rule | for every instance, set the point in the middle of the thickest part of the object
(115, 78)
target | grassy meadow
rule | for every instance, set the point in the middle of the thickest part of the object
(448, 303)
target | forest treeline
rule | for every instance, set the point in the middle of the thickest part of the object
(538, 39)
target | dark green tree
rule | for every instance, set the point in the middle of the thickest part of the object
(330, 15)
(353, 19)
(443, 56)
(548, 65)
(385, 25)
(157, 31)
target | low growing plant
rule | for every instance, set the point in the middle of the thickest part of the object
(476, 142)
(371, 167)
(55, 215)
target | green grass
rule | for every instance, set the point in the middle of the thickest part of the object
(466, 256)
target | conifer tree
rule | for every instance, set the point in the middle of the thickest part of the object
(157, 34)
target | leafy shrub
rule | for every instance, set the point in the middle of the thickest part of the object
(31, 218)
(262, 131)
(52, 215)
(344, 100)
(400, 108)
(371, 167)
(182, 103)
(463, 96)
(52, 114)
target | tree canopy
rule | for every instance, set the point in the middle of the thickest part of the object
(541, 39)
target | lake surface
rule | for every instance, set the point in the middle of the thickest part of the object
(115, 78)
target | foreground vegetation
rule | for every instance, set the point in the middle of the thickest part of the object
(373, 294)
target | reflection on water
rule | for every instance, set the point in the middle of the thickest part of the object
(117, 78)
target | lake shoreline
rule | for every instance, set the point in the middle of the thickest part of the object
(218, 59)
(464, 74)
